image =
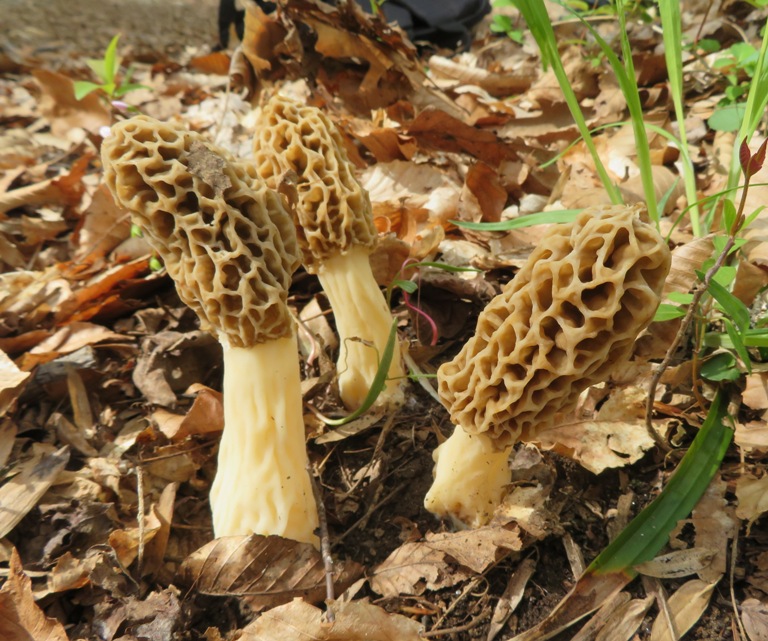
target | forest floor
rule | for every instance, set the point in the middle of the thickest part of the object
(110, 392)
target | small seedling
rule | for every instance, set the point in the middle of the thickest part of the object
(112, 86)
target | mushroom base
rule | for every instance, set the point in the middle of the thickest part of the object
(262, 484)
(471, 477)
(363, 321)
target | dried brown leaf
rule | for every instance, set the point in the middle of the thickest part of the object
(205, 416)
(353, 621)
(65, 113)
(754, 616)
(715, 525)
(755, 394)
(625, 620)
(436, 129)
(678, 564)
(752, 496)
(511, 598)
(12, 381)
(20, 617)
(443, 559)
(265, 570)
(33, 478)
(686, 605)
(598, 445)
(598, 620)
(752, 435)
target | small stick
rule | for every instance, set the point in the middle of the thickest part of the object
(140, 517)
(325, 544)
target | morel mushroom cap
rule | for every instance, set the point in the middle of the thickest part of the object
(565, 322)
(336, 235)
(224, 236)
(335, 211)
(230, 246)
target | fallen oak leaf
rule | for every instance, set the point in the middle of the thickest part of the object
(686, 605)
(264, 571)
(22, 492)
(443, 559)
(20, 617)
(353, 620)
(597, 445)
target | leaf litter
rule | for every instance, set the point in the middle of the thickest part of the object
(109, 393)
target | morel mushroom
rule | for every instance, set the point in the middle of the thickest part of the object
(566, 321)
(230, 246)
(336, 235)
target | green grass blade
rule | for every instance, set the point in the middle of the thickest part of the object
(671, 22)
(625, 75)
(649, 531)
(757, 99)
(377, 386)
(111, 61)
(535, 14)
(542, 218)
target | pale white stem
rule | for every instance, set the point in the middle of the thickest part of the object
(470, 478)
(363, 321)
(262, 485)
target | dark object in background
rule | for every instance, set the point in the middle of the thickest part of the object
(445, 23)
(230, 15)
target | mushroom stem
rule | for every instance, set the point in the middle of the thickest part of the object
(363, 321)
(471, 476)
(262, 456)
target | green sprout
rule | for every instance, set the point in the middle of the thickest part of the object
(112, 86)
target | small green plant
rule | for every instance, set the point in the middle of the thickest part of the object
(504, 24)
(112, 86)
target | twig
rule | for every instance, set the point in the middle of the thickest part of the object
(734, 550)
(140, 517)
(325, 543)
(684, 326)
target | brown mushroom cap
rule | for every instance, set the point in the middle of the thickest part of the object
(334, 212)
(225, 238)
(568, 318)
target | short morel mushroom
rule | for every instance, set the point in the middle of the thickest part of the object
(230, 246)
(336, 235)
(566, 321)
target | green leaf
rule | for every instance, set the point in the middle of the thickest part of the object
(731, 305)
(684, 298)
(406, 285)
(720, 367)
(708, 45)
(727, 118)
(729, 214)
(738, 344)
(542, 218)
(124, 89)
(83, 88)
(667, 312)
(111, 60)
(649, 531)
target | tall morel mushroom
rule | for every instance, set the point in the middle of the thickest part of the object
(336, 235)
(566, 321)
(230, 246)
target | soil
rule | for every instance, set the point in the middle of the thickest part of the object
(77, 28)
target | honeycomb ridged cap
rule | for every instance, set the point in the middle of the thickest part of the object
(334, 210)
(566, 321)
(225, 238)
